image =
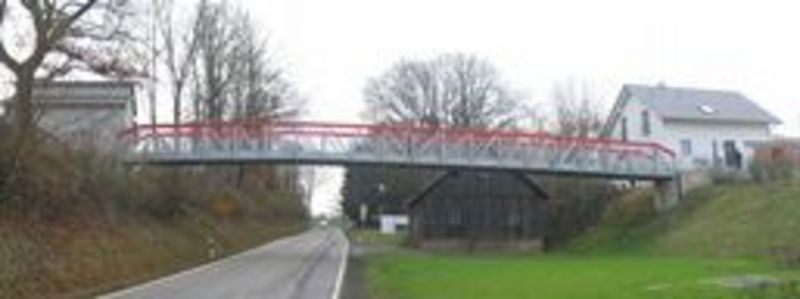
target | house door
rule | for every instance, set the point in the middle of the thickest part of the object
(733, 157)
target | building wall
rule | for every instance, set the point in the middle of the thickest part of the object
(476, 210)
(633, 114)
(702, 134)
(87, 126)
(391, 224)
(86, 113)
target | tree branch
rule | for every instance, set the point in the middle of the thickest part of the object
(3, 7)
(61, 29)
(7, 60)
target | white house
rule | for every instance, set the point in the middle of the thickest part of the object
(705, 128)
(85, 113)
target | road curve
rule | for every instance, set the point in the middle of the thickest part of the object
(306, 266)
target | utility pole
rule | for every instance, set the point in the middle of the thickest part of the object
(153, 63)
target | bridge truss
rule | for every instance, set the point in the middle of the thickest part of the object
(297, 142)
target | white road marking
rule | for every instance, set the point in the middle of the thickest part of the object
(337, 290)
(190, 271)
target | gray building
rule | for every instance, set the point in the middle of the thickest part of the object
(477, 210)
(85, 113)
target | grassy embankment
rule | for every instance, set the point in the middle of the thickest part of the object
(78, 224)
(724, 231)
(78, 262)
(738, 220)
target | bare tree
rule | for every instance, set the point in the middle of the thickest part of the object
(260, 90)
(220, 66)
(577, 110)
(578, 203)
(215, 42)
(452, 90)
(535, 117)
(233, 75)
(475, 96)
(53, 38)
(180, 46)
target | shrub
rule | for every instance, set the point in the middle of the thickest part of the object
(80, 221)
(575, 206)
(774, 162)
(226, 207)
(727, 177)
(4, 167)
(637, 206)
(64, 183)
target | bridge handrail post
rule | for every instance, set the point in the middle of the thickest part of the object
(656, 162)
(442, 138)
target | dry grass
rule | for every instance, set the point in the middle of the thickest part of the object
(47, 262)
(81, 224)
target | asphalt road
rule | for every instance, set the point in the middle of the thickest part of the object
(305, 266)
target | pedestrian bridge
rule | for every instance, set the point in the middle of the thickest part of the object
(321, 143)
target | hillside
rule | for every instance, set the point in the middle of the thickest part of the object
(81, 224)
(723, 221)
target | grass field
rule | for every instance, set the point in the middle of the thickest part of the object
(374, 238)
(718, 232)
(423, 276)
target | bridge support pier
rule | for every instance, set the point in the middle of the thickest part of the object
(668, 194)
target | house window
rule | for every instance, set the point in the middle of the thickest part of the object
(624, 129)
(706, 109)
(686, 147)
(645, 123)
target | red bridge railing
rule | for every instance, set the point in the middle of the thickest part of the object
(401, 144)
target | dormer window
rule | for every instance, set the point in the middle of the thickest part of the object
(706, 109)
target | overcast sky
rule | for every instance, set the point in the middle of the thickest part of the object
(331, 47)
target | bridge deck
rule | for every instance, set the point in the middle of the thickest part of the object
(396, 145)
